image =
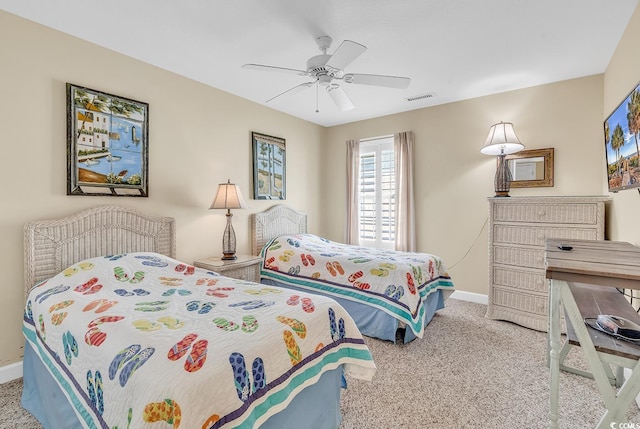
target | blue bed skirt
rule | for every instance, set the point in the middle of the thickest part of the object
(376, 323)
(316, 407)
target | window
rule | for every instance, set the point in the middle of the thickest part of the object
(377, 193)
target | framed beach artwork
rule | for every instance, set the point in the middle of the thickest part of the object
(269, 167)
(622, 143)
(107, 144)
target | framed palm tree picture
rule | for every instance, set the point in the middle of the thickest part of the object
(622, 145)
(269, 167)
(107, 144)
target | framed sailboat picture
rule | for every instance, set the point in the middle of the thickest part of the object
(107, 144)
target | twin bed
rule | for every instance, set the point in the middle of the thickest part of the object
(390, 295)
(120, 334)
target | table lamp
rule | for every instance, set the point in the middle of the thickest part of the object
(228, 197)
(502, 141)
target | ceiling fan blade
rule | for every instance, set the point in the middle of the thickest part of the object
(296, 89)
(340, 97)
(345, 54)
(377, 80)
(275, 69)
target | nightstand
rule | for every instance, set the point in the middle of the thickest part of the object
(245, 267)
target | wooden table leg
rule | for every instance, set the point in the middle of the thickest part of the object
(555, 299)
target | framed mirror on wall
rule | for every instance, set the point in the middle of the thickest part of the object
(531, 168)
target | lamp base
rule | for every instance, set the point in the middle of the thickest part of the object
(502, 181)
(229, 257)
(229, 240)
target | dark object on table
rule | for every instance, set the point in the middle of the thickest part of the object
(619, 327)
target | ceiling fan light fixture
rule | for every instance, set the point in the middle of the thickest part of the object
(325, 80)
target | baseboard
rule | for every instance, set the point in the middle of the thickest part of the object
(10, 372)
(470, 296)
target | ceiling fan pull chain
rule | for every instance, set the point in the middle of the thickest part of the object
(318, 111)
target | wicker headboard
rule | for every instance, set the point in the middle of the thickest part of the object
(53, 245)
(273, 222)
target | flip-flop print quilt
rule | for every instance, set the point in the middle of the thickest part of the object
(394, 282)
(140, 338)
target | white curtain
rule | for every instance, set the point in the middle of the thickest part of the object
(353, 192)
(405, 210)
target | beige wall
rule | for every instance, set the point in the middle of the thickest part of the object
(453, 179)
(621, 76)
(199, 137)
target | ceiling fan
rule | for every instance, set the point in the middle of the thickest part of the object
(326, 69)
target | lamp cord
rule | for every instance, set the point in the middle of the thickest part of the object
(472, 244)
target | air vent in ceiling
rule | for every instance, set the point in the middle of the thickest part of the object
(421, 96)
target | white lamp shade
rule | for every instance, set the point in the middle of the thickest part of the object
(228, 197)
(502, 139)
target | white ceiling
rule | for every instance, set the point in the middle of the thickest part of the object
(457, 49)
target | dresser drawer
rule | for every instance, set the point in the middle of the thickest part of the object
(571, 213)
(532, 280)
(536, 235)
(519, 257)
(539, 322)
(519, 300)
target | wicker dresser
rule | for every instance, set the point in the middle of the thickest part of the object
(518, 227)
